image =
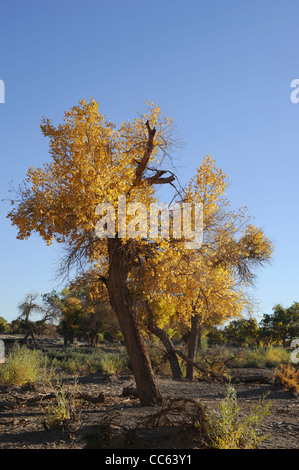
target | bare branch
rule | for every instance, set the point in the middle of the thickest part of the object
(156, 179)
(147, 153)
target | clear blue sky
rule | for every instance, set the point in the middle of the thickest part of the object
(221, 69)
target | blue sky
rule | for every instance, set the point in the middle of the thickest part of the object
(222, 70)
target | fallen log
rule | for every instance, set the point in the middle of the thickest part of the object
(260, 379)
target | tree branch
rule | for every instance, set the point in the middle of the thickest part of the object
(156, 179)
(147, 153)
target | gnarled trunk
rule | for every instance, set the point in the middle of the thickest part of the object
(122, 304)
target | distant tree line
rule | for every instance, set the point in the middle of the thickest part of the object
(74, 314)
(279, 328)
(70, 314)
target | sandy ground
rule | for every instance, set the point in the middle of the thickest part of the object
(118, 422)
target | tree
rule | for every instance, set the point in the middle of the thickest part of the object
(17, 327)
(27, 308)
(243, 332)
(293, 314)
(223, 267)
(52, 307)
(215, 336)
(93, 162)
(204, 286)
(4, 327)
(98, 315)
(282, 325)
(85, 309)
(100, 318)
(67, 307)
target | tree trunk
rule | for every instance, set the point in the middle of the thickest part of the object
(94, 339)
(192, 344)
(122, 304)
(166, 340)
(30, 332)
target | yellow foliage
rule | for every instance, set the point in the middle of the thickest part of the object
(94, 162)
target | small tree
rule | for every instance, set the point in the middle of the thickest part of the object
(27, 308)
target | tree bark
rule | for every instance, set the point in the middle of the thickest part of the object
(193, 344)
(166, 340)
(122, 303)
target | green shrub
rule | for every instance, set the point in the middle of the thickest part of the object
(229, 431)
(262, 357)
(89, 361)
(113, 363)
(271, 356)
(23, 365)
(64, 409)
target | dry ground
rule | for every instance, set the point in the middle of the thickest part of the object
(118, 422)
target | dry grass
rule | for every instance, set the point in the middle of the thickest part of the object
(288, 376)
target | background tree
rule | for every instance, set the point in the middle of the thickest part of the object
(4, 326)
(282, 325)
(72, 316)
(17, 327)
(27, 308)
(243, 332)
(215, 336)
(231, 249)
(98, 314)
(293, 314)
(52, 307)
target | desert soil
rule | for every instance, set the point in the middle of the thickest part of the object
(119, 421)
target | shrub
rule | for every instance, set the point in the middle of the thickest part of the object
(111, 363)
(63, 411)
(288, 376)
(89, 360)
(23, 365)
(271, 356)
(216, 359)
(229, 431)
